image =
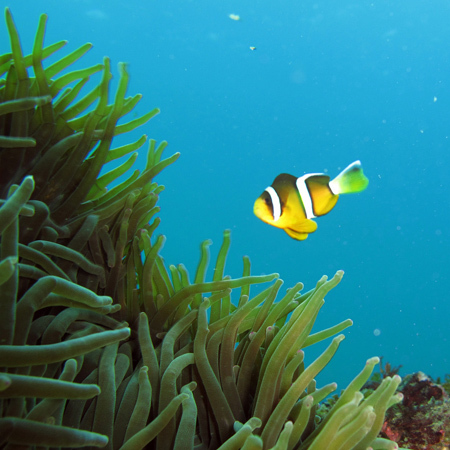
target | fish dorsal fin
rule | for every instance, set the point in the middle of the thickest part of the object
(283, 184)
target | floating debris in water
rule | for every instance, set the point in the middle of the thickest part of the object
(234, 17)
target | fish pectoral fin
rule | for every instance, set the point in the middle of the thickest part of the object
(295, 234)
(301, 229)
(304, 226)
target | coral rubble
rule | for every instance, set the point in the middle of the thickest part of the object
(422, 420)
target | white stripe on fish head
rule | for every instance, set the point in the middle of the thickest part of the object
(276, 205)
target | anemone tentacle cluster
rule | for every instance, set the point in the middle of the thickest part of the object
(102, 344)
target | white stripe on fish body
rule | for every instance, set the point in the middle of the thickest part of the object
(276, 205)
(334, 187)
(305, 195)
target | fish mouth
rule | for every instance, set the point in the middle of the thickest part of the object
(263, 213)
(259, 212)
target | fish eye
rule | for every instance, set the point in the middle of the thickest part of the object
(268, 201)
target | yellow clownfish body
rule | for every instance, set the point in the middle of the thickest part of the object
(290, 202)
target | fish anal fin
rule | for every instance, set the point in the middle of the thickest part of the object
(296, 234)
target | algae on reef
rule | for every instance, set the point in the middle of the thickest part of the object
(100, 344)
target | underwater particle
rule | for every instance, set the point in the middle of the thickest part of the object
(434, 99)
(252, 48)
(96, 14)
(376, 332)
(234, 16)
(298, 77)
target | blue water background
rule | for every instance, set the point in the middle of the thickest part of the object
(329, 82)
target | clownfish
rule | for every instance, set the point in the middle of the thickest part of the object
(290, 202)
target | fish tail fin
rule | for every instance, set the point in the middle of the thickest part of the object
(350, 180)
